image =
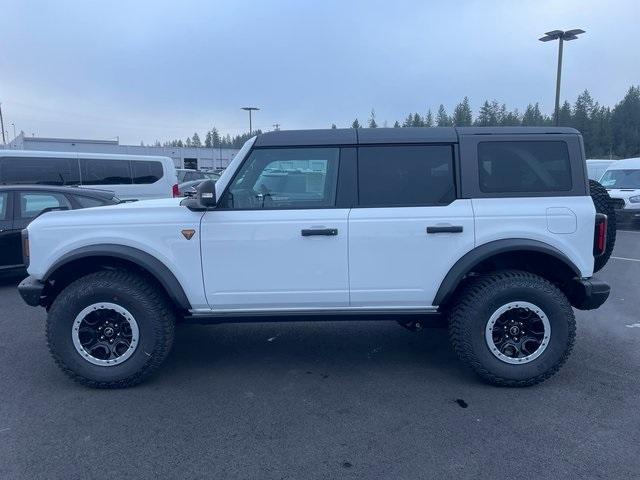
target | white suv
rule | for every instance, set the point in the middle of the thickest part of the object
(492, 228)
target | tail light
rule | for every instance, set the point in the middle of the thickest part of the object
(25, 247)
(600, 235)
(175, 190)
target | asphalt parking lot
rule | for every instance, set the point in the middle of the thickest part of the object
(328, 400)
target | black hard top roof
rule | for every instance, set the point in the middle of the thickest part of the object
(351, 136)
(86, 192)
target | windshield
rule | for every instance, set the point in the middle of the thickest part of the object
(621, 179)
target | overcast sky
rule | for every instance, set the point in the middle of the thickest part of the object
(154, 69)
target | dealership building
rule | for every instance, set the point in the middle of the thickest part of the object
(183, 157)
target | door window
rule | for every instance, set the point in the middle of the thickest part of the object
(3, 205)
(32, 203)
(100, 171)
(405, 175)
(285, 178)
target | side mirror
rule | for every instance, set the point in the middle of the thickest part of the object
(207, 194)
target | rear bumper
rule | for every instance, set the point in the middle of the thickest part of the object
(31, 291)
(589, 293)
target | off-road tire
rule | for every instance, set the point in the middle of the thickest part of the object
(603, 204)
(144, 300)
(481, 297)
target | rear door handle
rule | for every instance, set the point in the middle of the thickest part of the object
(328, 232)
(445, 229)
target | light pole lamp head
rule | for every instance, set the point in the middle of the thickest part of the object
(560, 34)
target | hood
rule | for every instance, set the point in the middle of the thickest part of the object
(141, 212)
(623, 193)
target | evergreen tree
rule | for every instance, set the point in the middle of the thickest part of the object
(565, 117)
(207, 140)
(442, 119)
(532, 116)
(187, 142)
(462, 116)
(355, 124)
(417, 120)
(625, 125)
(428, 119)
(408, 121)
(195, 140)
(333, 126)
(215, 137)
(396, 124)
(372, 119)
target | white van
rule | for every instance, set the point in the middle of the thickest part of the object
(622, 180)
(130, 177)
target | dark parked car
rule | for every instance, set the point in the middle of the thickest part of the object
(20, 204)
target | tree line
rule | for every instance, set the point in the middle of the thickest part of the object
(212, 139)
(607, 132)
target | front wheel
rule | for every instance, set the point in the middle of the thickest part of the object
(512, 328)
(110, 329)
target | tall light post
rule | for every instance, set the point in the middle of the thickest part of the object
(561, 36)
(250, 109)
(14, 130)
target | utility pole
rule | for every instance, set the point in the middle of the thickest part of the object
(4, 140)
(562, 37)
(250, 109)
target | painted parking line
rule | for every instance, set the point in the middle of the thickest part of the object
(627, 259)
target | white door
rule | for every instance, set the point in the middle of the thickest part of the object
(276, 239)
(408, 229)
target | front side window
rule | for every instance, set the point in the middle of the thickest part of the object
(621, 179)
(99, 171)
(32, 203)
(145, 172)
(285, 178)
(405, 175)
(524, 167)
(39, 171)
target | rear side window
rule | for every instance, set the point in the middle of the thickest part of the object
(3, 205)
(87, 202)
(39, 171)
(524, 167)
(145, 172)
(405, 175)
(99, 171)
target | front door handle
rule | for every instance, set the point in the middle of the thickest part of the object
(445, 229)
(307, 232)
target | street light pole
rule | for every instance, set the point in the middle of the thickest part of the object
(250, 109)
(561, 36)
(14, 130)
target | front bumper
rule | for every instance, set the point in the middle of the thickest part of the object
(589, 293)
(31, 291)
(627, 214)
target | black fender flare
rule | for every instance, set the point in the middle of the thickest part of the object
(474, 257)
(148, 262)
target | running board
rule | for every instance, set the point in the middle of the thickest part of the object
(231, 316)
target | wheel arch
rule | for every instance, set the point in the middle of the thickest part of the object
(526, 254)
(91, 258)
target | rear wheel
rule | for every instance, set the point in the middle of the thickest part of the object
(512, 328)
(602, 202)
(110, 329)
